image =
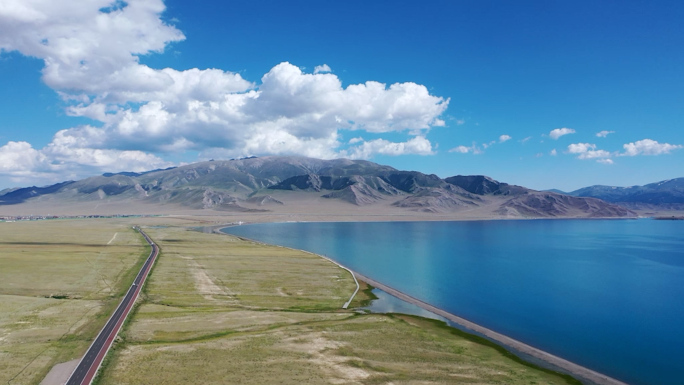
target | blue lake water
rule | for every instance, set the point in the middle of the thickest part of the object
(606, 294)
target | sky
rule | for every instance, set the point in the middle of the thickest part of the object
(543, 94)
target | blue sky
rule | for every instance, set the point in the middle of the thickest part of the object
(514, 90)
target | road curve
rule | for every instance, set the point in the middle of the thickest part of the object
(91, 361)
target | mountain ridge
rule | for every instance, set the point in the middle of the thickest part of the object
(668, 193)
(272, 183)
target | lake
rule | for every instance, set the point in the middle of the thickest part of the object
(605, 294)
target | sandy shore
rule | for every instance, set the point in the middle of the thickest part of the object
(576, 370)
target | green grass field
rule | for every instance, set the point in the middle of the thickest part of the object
(59, 281)
(220, 310)
(215, 310)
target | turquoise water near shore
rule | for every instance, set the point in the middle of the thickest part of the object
(605, 294)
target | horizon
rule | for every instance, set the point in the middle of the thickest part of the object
(542, 95)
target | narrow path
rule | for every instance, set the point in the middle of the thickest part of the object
(91, 361)
(113, 238)
(346, 304)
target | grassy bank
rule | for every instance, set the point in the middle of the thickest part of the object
(218, 310)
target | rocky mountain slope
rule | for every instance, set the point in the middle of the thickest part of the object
(272, 183)
(665, 194)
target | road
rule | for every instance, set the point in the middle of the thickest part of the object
(91, 361)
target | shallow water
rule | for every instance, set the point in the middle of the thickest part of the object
(387, 303)
(606, 294)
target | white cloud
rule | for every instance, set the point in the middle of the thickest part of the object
(461, 149)
(587, 151)
(287, 103)
(641, 147)
(75, 41)
(20, 159)
(524, 140)
(322, 68)
(288, 106)
(91, 58)
(553, 152)
(418, 146)
(578, 148)
(81, 59)
(649, 147)
(464, 150)
(504, 138)
(64, 159)
(558, 132)
(355, 140)
(595, 154)
(74, 151)
(604, 133)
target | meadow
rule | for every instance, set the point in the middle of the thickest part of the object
(219, 309)
(216, 309)
(59, 281)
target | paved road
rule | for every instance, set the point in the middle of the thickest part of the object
(90, 363)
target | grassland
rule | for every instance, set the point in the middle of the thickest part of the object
(59, 281)
(221, 310)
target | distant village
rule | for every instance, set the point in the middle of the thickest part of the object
(48, 217)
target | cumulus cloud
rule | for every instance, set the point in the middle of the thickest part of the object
(144, 111)
(649, 147)
(504, 138)
(578, 148)
(553, 152)
(322, 68)
(474, 149)
(417, 146)
(558, 132)
(604, 133)
(65, 159)
(641, 147)
(288, 111)
(75, 41)
(587, 151)
(461, 149)
(20, 159)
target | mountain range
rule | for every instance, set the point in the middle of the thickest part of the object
(667, 194)
(276, 183)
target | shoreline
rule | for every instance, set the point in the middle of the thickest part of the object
(582, 373)
(507, 342)
(218, 227)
